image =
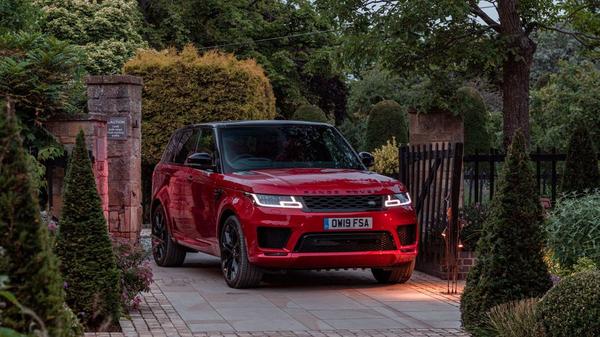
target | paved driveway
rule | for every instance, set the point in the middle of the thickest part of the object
(194, 300)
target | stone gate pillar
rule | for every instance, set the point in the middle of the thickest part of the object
(119, 99)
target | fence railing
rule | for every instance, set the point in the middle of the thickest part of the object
(481, 174)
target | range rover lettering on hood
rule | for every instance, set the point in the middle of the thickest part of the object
(329, 192)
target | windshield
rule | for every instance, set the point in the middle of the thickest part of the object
(285, 146)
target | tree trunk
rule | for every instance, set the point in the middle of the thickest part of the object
(516, 71)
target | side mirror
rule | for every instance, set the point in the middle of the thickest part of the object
(200, 160)
(367, 159)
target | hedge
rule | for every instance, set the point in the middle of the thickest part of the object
(310, 113)
(581, 167)
(387, 119)
(186, 88)
(474, 112)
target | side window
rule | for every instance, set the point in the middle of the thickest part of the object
(171, 148)
(206, 143)
(186, 145)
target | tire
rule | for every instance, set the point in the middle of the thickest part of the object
(238, 272)
(166, 252)
(399, 274)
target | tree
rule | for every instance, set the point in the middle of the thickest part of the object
(581, 167)
(569, 95)
(109, 32)
(446, 40)
(510, 265)
(27, 255)
(387, 119)
(88, 262)
(291, 40)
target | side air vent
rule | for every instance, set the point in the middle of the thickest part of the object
(269, 237)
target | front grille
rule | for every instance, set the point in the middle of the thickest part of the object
(407, 234)
(273, 237)
(343, 203)
(345, 242)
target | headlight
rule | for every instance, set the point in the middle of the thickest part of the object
(398, 199)
(281, 201)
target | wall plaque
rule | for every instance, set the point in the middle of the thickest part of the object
(117, 128)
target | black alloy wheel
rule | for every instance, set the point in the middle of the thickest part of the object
(236, 268)
(165, 251)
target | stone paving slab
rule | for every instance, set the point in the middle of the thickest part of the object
(194, 300)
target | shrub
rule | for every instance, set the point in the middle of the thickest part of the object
(573, 231)
(515, 319)
(186, 88)
(510, 265)
(136, 273)
(572, 307)
(88, 262)
(475, 117)
(354, 130)
(581, 167)
(27, 257)
(471, 219)
(310, 113)
(386, 159)
(387, 119)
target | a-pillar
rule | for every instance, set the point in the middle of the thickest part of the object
(119, 98)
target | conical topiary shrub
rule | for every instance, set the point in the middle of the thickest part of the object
(474, 112)
(28, 260)
(88, 263)
(581, 168)
(510, 265)
(310, 113)
(387, 119)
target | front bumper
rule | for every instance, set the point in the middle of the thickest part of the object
(301, 223)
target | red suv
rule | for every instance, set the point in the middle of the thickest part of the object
(279, 195)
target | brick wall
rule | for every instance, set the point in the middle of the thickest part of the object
(65, 129)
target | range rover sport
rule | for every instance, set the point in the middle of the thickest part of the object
(278, 195)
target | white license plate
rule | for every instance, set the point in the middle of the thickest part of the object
(330, 224)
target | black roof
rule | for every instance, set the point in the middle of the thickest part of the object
(258, 123)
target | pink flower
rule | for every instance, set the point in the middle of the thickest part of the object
(52, 226)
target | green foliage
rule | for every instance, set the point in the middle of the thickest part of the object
(109, 31)
(375, 85)
(573, 94)
(310, 113)
(88, 263)
(471, 106)
(515, 319)
(17, 15)
(27, 256)
(572, 307)
(581, 167)
(291, 40)
(510, 265)
(354, 130)
(210, 87)
(41, 75)
(472, 218)
(386, 158)
(573, 230)
(387, 119)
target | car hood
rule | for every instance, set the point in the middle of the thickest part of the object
(310, 181)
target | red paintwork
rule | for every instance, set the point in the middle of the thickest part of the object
(194, 214)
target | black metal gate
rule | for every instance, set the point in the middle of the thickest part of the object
(432, 173)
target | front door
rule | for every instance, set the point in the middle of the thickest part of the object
(203, 191)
